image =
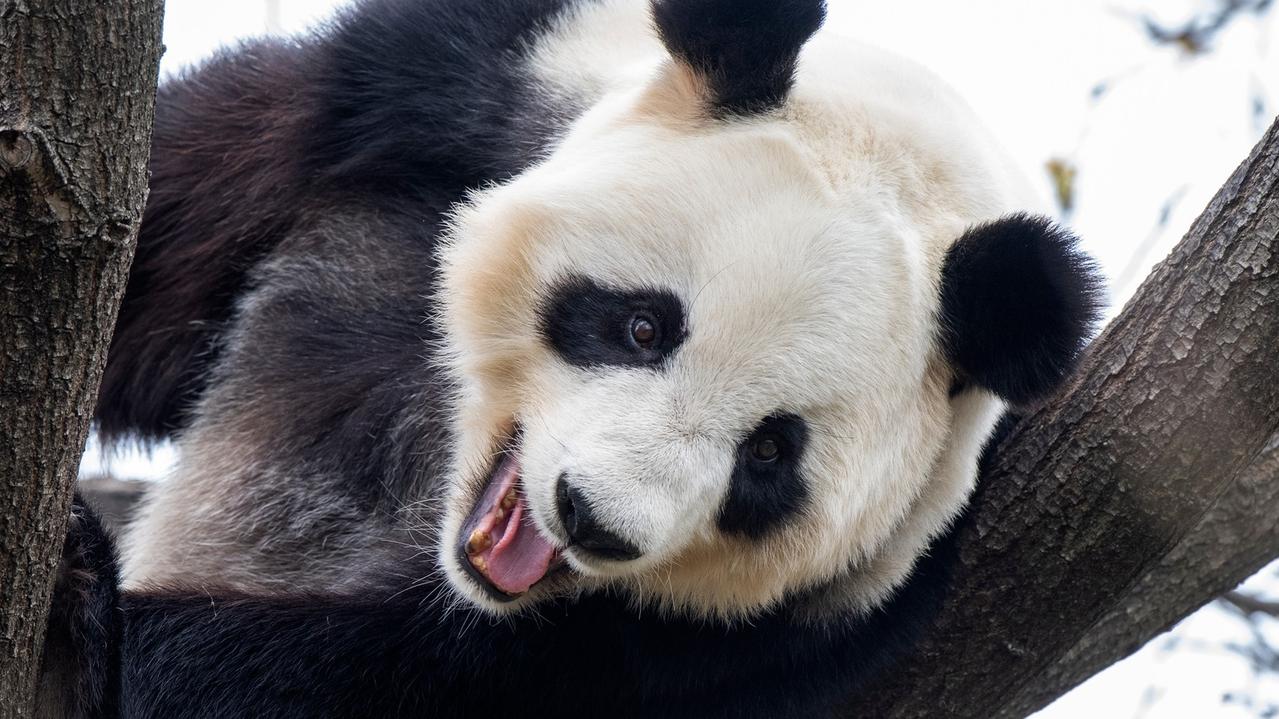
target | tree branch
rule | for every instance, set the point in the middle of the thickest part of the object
(1196, 35)
(1143, 491)
(1250, 605)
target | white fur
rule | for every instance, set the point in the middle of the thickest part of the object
(806, 246)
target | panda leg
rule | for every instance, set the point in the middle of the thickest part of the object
(79, 675)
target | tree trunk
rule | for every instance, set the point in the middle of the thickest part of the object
(1148, 487)
(77, 91)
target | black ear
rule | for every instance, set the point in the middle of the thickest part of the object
(744, 50)
(1018, 300)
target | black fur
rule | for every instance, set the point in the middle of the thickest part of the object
(337, 330)
(222, 195)
(399, 101)
(80, 672)
(744, 50)
(1018, 301)
(430, 97)
(588, 324)
(763, 495)
(400, 655)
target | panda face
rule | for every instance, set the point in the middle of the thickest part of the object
(689, 369)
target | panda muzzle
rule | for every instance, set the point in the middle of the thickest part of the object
(501, 546)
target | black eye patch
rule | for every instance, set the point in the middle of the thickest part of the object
(592, 325)
(766, 487)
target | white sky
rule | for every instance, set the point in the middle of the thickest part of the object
(1171, 126)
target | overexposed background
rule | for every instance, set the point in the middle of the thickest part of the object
(1147, 121)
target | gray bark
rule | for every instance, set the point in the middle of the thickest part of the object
(77, 92)
(1148, 487)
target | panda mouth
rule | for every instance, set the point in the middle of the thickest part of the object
(500, 546)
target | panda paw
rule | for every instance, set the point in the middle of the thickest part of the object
(80, 670)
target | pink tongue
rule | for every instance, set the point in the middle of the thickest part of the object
(521, 556)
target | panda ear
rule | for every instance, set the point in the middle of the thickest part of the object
(1018, 301)
(743, 51)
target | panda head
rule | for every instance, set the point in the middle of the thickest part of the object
(733, 340)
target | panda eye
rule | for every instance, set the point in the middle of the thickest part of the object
(590, 324)
(767, 486)
(643, 331)
(766, 448)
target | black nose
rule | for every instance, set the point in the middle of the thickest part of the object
(584, 529)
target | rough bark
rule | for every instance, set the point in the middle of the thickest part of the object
(77, 92)
(1232, 541)
(1149, 486)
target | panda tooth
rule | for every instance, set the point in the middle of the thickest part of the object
(478, 542)
(480, 563)
(508, 501)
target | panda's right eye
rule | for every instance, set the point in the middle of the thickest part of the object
(643, 331)
(766, 448)
(767, 486)
(590, 324)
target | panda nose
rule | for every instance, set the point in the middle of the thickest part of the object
(583, 526)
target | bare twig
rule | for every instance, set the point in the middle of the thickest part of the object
(1249, 605)
(1197, 34)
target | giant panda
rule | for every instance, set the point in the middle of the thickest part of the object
(631, 357)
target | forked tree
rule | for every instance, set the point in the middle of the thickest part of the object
(1148, 487)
